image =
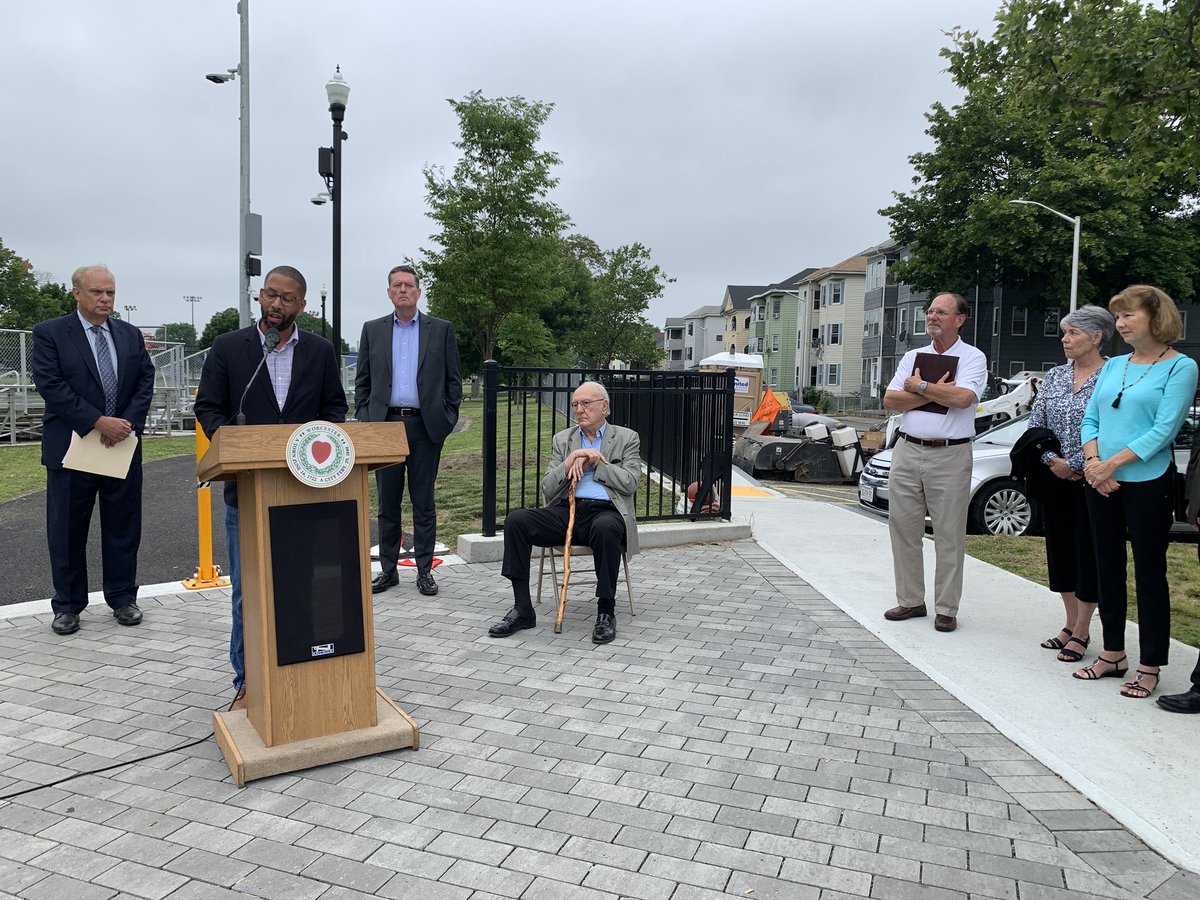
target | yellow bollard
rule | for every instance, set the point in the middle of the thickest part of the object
(208, 575)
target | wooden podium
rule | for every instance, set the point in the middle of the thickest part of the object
(319, 710)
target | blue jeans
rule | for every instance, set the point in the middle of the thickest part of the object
(237, 647)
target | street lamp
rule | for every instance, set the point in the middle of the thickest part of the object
(329, 167)
(249, 229)
(193, 300)
(324, 294)
(1075, 250)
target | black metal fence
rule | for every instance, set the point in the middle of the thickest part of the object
(684, 421)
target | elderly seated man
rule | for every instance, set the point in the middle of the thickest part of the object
(604, 463)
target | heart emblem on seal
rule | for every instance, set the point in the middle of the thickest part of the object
(321, 451)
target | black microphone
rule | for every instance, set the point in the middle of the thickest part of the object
(273, 338)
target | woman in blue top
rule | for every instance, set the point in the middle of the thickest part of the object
(1136, 410)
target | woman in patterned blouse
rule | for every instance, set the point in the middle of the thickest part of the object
(1060, 405)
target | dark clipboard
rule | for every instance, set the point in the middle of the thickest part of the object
(933, 366)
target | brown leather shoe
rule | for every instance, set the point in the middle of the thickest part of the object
(900, 613)
(945, 623)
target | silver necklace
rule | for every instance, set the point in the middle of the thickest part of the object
(1117, 402)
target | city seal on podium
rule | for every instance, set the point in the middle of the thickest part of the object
(320, 454)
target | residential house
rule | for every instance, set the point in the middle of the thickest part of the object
(776, 318)
(736, 310)
(673, 345)
(835, 299)
(703, 335)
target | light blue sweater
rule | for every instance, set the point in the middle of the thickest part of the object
(1149, 417)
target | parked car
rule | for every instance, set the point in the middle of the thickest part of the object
(998, 503)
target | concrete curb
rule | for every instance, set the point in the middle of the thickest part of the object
(475, 548)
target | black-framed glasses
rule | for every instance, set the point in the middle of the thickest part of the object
(286, 299)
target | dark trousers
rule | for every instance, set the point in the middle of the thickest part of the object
(1144, 509)
(597, 523)
(70, 499)
(1070, 556)
(420, 470)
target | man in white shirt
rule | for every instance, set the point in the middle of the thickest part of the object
(931, 464)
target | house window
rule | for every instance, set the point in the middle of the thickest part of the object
(902, 322)
(774, 343)
(835, 334)
(835, 291)
(816, 337)
(1050, 323)
(720, 337)
(797, 377)
(776, 305)
(816, 301)
(995, 321)
(835, 374)
(677, 355)
(812, 374)
(774, 375)
(918, 324)
(747, 321)
(1047, 366)
(799, 342)
(1019, 315)
(689, 329)
(1183, 318)
(689, 352)
(1017, 365)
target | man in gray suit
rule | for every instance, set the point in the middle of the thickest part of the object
(408, 371)
(604, 463)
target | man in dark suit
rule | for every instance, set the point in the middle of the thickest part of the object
(408, 372)
(1189, 700)
(299, 382)
(92, 372)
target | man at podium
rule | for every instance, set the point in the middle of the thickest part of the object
(270, 373)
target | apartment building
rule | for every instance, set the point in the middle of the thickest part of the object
(835, 302)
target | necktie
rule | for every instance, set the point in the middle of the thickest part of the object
(108, 377)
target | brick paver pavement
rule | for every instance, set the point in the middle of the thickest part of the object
(741, 737)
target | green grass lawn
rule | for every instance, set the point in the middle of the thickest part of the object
(21, 470)
(1026, 556)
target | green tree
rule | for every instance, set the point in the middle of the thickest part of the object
(224, 321)
(180, 333)
(613, 325)
(962, 230)
(499, 234)
(23, 300)
(312, 324)
(1125, 70)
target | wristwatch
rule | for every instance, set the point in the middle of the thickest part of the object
(921, 387)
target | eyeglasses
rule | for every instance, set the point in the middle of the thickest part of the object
(584, 404)
(286, 299)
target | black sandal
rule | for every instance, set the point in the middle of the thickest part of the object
(1069, 655)
(1091, 674)
(1135, 690)
(1056, 643)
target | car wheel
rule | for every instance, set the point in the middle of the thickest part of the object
(1001, 507)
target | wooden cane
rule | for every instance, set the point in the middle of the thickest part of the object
(562, 595)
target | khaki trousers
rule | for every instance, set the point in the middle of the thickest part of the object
(937, 479)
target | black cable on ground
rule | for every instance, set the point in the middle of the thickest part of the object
(128, 762)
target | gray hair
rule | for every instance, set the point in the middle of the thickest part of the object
(596, 384)
(1090, 319)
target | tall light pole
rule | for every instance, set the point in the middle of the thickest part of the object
(249, 227)
(324, 294)
(129, 311)
(193, 300)
(1076, 221)
(329, 166)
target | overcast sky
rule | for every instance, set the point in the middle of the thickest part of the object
(740, 142)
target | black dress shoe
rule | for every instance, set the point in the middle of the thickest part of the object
(425, 584)
(129, 614)
(384, 580)
(1188, 702)
(606, 628)
(65, 623)
(511, 623)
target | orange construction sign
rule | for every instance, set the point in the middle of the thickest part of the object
(768, 409)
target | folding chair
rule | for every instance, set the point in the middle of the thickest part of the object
(577, 551)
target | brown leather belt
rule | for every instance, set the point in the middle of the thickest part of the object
(939, 442)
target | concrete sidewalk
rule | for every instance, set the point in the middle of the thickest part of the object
(743, 736)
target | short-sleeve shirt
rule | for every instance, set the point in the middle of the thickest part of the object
(957, 423)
